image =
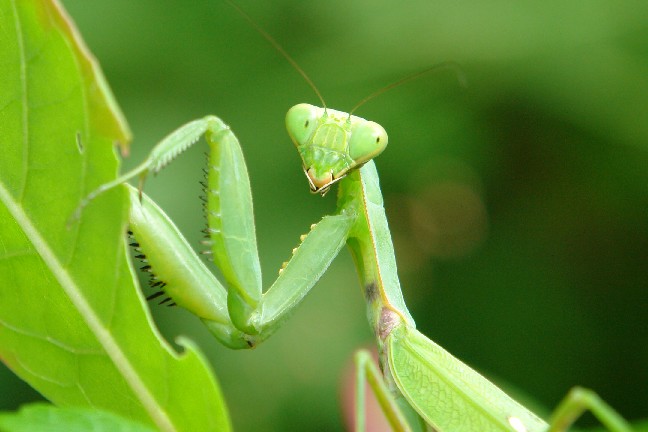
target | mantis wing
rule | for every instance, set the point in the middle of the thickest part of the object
(448, 394)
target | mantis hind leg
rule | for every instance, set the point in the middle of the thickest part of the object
(579, 400)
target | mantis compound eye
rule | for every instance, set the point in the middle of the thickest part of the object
(301, 122)
(368, 139)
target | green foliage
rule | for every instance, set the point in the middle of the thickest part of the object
(41, 417)
(72, 323)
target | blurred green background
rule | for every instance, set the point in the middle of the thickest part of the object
(518, 205)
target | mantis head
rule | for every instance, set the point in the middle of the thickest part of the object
(332, 143)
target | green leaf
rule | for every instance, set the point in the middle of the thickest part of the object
(72, 323)
(43, 417)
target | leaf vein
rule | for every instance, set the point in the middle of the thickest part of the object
(25, 110)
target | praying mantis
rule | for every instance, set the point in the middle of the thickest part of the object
(419, 385)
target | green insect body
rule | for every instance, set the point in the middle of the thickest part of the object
(421, 384)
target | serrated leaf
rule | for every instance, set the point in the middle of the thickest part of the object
(72, 323)
(43, 417)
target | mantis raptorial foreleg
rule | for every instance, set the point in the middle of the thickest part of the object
(238, 314)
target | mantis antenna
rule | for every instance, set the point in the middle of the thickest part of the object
(440, 66)
(279, 48)
(437, 67)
